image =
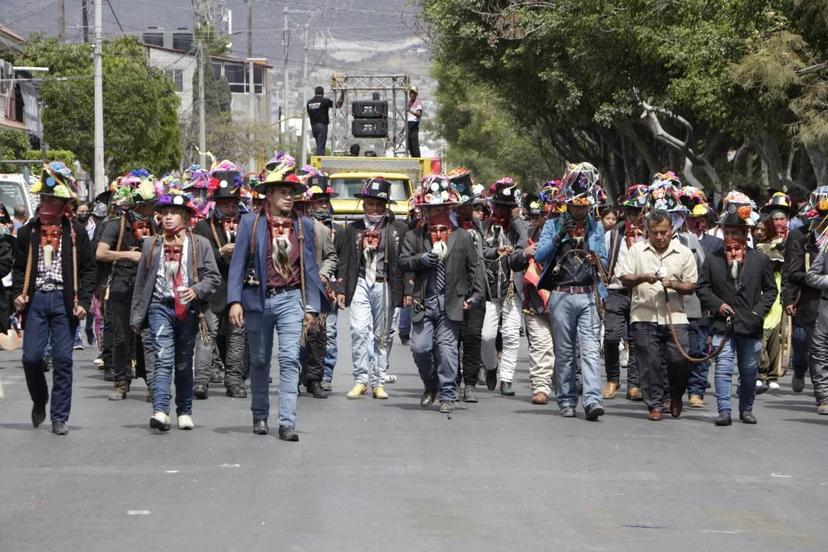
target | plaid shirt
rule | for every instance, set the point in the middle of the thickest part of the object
(53, 274)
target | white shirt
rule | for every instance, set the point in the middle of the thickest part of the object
(415, 106)
(163, 288)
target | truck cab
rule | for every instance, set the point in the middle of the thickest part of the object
(14, 190)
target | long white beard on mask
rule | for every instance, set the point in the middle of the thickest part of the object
(281, 249)
(734, 270)
(170, 270)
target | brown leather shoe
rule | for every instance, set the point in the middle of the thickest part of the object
(540, 398)
(655, 415)
(676, 406)
(695, 402)
(634, 394)
(610, 389)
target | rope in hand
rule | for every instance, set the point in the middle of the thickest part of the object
(676, 340)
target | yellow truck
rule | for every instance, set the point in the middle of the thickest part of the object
(348, 175)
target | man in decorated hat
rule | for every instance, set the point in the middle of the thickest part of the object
(618, 241)
(737, 287)
(226, 343)
(535, 307)
(120, 249)
(802, 300)
(781, 210)
(176, 276)
(52, 284)
(471, 213)
(445, 281)
(274, 285)
(504, 239)
(370, 283)
(315, 203)
(571, 248)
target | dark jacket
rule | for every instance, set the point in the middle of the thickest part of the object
(751, 298)
(204, 228)
(208, 276)
(817, 275)
(252, 298)
(465, 278)
(501, 271)
(6, 261)
(800, 252)
(347, 271)
(30, 234)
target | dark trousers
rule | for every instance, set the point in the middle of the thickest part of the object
(616, 330)
(470, 337)
(414, 138)
(46, 318)
(123, 338)
(660, 362)
(320, 134)
(312, 355)
(106, 338)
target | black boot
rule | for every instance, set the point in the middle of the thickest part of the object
(723, 419)
(38, 414)
(315, 388)
(288, 434)
(200, 391)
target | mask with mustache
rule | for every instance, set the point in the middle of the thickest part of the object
(172, 261)
(281, 247)
(735, 250)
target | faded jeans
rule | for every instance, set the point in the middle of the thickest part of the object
(283, 313)
(434, 343)
(746, 351)
(331, 350)
(372, 332)
(575, 319)
(173, 341)
(506, 315)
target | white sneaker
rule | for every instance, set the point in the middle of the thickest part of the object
(98, 361)
(160, 421)
(773, 386)
(389, 378)
(758, 384)
(185, 421)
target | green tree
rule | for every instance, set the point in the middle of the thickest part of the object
(13, 145)
(140, 105)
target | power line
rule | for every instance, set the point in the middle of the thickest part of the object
(115, 16)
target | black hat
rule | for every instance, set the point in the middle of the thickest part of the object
(378, 187)
(505, 193)
(533, 205)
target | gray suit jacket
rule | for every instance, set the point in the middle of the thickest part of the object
(209, 277)
(465, 273)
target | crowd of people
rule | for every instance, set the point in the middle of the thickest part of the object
(187, 278)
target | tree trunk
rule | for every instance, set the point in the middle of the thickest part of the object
(819, 163)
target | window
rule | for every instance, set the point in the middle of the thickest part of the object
(346, 188)
(177, 76)
(235, 75)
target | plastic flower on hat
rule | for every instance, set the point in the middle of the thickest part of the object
(195, 177)
(55, 179)
(694, 199)
(578, 183)
(436, 189)
(223, 174)
(740, 204)
(176, 198)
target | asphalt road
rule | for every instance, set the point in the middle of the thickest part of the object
(374, 475)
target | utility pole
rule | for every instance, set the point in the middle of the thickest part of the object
(85, 20)
(304, 90)
(286, 110)
(100, 176)
(61, 6)
(249, 28)
(201, 27)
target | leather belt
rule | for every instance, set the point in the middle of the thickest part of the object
(573, 289)
(50, 286)
(271, 291)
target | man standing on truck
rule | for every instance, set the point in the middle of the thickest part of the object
(318, 107)
(413, 112)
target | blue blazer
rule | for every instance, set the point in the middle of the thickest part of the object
(252, 298)
(547, 248)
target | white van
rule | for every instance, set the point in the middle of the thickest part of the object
(14, 190)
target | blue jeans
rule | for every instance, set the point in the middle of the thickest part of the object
(283, 313)
(173, 342)
(405, 322)
(747, 351)
(46, 318)
(800, 349)
(434, 340)
(575, 317)
(697, 384)
(320, 134)
(372, 332)
(331, 349)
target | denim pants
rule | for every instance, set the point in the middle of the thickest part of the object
(46, 318)
(173, 341)
(506, 315)
(331, 350)
(664, 371)
(320, 134)
(746, 351)
(575, 319)
(405, 322)
(434, 343)
(800, 348)
(283, 313)
(372, 332)
(697, 384)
